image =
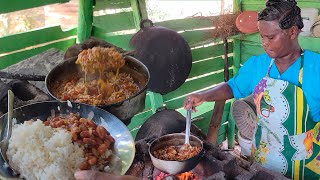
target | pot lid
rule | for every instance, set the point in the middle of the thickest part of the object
(165, 53)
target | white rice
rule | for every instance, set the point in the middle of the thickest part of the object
(41, 152)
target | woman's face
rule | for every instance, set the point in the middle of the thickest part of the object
(275, 41)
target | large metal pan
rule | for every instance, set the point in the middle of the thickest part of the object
(125, 109)
(166, 54)
(175, 167)
(124, 143)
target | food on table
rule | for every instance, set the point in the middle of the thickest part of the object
(177, 153)
(102, 82)
(59, 146)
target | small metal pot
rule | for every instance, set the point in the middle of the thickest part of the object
(124, 110)
(175, 167)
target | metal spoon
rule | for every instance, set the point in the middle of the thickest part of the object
(187, 145)
(188, 125)
(5, 142)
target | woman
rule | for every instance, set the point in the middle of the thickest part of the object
(285, 85)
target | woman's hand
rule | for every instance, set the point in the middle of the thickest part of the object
(97, 175)
(192, 101)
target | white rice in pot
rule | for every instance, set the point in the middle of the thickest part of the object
(37, 151)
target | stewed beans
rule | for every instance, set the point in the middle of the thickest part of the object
(95, 140)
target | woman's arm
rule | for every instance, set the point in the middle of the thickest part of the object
(218, 93)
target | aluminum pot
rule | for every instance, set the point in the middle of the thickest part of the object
(124, 110)
(175, 167)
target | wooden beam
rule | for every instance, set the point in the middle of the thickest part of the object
(236, 6)
(17, 5)
(139, 11)
(85, 19)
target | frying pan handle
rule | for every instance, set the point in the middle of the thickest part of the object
(142, 23)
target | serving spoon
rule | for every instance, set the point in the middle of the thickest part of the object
(5, 142)
(188, 126)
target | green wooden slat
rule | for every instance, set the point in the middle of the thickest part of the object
(252, 7)
(10, 59)
(137, 121)
(310, 43)
(248, 50)
(210, 51)
(111, 4)
(259, 5)
(118, 40)
(189, 23)
(114, 22)
(194, 85)
(16, 5)
(236, 56)
(27, 39)
(194, 37)
(208, 66)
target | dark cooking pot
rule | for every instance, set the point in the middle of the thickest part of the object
(125, 109)
(124, 144)
(175, 167)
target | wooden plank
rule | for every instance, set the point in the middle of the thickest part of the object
(259, 5)
(310, 43)
(27, 39)
(194, 37)
(236, 55)
(208, 66)
(137, 121)
(231, 128)
(189, 23)
(118, 40)
(193, 85)
(16, 5)
(111, 4)
(139, 9)
(115, 22)
(236, 6)
(210, 51)
(84, 20)
(8, 60)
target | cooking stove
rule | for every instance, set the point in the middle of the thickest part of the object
(215, 164)
(25, 93)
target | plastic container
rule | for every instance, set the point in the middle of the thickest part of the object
(245, 145)
(309, 17)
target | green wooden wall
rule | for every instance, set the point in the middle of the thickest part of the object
(17, 47)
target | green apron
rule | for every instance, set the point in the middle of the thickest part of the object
(286, 139)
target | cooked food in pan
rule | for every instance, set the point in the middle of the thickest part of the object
(102, 82)
(177, 153)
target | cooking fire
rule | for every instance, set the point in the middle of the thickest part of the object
(183, 176)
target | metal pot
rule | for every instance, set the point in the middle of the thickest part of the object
(125, 109)
(124, 144)
(175, 167)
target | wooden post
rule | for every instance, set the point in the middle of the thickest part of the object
(218, 108)
(215, 122)
(85, 19)
(236, 6)
(231, 129)
(139, 11)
